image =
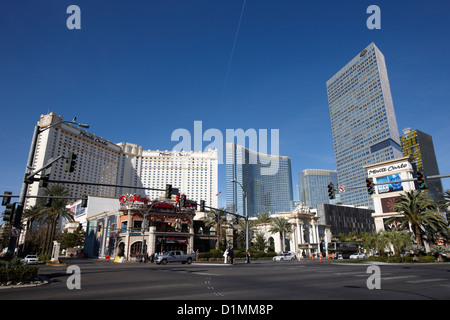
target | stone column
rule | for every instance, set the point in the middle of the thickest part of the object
(151, 244)
(302, 236)
(55, 252)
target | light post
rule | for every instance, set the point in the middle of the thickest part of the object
(26, 181)
(247, 258)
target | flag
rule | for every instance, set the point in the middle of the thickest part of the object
(219, 194)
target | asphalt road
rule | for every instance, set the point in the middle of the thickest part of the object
(262, 281)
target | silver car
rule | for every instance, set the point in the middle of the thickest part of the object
(358, 255)
(285, 256)
(30, 259)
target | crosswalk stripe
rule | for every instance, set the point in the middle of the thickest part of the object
(426, 280)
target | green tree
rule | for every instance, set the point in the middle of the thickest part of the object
(280, 225)
(31, 214)
(52, 214)
(379, 241)
(263, 217)
(218, 220)
(400, 239)
(240, 233)
(260, 241)
(72, 239)
(418, 212)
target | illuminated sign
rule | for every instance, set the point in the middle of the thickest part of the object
(133, 198)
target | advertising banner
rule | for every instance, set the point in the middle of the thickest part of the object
(390, 187)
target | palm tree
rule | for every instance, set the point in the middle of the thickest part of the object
(418, 212)
(263, 217)
(30, 215)
(380, 241)
(240, 234)
(280, 225)
(399, 239)
(260, 241)
(218, 220)
(52, 214)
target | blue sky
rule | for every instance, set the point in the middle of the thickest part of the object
(138, 70)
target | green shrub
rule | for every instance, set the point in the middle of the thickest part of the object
(427, 259)
(395, 259)
(22, 274)
(377, 258)
(44, 257)
(215, 253)
(408, 259)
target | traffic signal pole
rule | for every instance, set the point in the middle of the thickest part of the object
(19, 209)
(13, 240)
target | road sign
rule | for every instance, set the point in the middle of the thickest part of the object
(341, 189)
(15, 232)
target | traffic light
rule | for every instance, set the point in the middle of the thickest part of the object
(43, 181)
(331, 191)
(9, 212)
(369, 185)
(48, 201)
(70, 162)
(421, 180)
(6, 199)
(202, 205)
(183, 200)
(84, 201)
(236, 220)
(168, 191)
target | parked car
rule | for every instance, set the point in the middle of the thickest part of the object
(285, 256)
(30, 259)
(358, 255)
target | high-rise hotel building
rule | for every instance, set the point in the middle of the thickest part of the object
(271, 192)
(363, 122)
(194, 174)
(420, 147)
(100, 161)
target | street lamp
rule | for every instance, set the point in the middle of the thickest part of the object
(247, 258)
(18, 216)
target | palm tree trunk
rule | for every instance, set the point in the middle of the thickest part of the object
(282, 241)
(418, 235)
(45, 241)
(219, 236)
(52, 233)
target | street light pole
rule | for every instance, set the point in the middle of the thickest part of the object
(13, 240)
(247, 257)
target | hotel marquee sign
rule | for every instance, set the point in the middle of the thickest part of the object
(93, 138)
(174, 154)
(390, 168)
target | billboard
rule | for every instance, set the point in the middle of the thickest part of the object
(387, 204)
(389, 183)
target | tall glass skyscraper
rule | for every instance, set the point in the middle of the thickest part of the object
(313, 184)
(363, 122)
(266, 192)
